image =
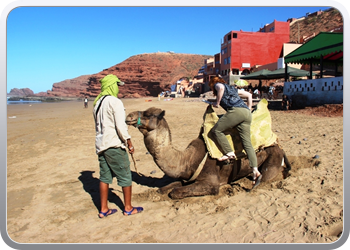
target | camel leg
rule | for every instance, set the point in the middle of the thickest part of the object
(167, 188)
(288, 166)
(207, 183)
(272, 166)
(195, 189)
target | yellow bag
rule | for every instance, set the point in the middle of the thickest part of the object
(261, 134)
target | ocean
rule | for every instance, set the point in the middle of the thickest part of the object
(21, 102)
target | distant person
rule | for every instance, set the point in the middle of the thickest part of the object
(286, 103)
(184, 86)
(256, 93)
(86, 102)
(250, 88)
(181, 91)
(260, 88)
(112, 140)
(271, 91)
(178, 86)
(198, 88)
(188, 90)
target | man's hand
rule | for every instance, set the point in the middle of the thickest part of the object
(131, 150)
(130, 147)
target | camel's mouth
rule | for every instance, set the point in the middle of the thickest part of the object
(132, 119)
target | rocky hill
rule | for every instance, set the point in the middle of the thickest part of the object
(21, 92)
(326, 21)
(148, 74)
(70, 88)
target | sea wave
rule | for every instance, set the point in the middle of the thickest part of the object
(21, 102)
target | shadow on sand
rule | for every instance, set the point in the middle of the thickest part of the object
(91, 186)
(151, 181)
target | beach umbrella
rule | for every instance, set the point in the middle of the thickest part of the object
(241, 83)
(280, 73)
(261, 74)
(300, 72)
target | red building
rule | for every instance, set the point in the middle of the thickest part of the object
(240, 51)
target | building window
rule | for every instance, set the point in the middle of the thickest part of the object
(234, 35)
(235, 72)
(229, 60)
(224, 51)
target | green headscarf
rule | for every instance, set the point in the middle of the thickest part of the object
(109, 86)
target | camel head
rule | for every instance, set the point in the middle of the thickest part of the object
(146, 120)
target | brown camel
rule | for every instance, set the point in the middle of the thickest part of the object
(182, 165)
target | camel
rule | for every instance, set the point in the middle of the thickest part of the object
(182, 165)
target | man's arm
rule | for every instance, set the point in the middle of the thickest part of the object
(121, 126)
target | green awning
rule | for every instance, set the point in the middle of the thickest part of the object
(322, 45)
(261, 74)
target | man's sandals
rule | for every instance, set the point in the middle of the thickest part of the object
(138, 209)
(109, 212)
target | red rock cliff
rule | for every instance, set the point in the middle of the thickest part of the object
(148, 74)
(70, 87)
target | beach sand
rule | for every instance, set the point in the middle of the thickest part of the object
(53, 185)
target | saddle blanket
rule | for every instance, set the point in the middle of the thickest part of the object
(261, 134)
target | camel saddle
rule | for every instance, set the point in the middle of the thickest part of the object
(261, 134)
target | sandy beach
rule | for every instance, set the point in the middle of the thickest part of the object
(53, 192)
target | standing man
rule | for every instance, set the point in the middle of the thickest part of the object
(112, 140)
(271, 91)
(85, 102)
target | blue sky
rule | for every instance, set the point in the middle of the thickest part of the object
(46, 45)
